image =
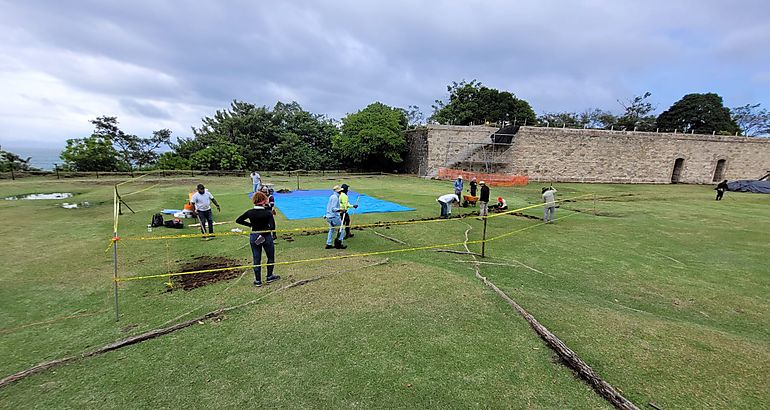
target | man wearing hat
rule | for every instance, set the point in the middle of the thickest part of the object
(201, 202)
(459, 187)
(484, 199)
(344, 209)
(335, 223)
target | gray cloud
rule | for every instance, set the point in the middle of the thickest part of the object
(167, 63)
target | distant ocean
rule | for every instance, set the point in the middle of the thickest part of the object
(42, 157)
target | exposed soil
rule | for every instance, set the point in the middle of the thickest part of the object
(196, 280)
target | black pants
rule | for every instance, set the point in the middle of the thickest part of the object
(256, 253)
(719, 194)
(346, 223)
(206, 216)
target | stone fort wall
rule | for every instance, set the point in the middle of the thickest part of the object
(580, 155)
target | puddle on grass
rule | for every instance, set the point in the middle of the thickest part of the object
(68, 205)
(54, 195)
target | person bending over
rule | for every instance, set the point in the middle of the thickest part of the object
(446, 202)
(261, 222)
(721, 188)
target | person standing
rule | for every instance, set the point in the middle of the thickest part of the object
(261, 221)
(549, 198)
(201, 202)
(256, 181)
(473, 186)
(721, 188)
(446, 202)
(336, 233)
(345, 210)
(484, 199)
(459, 187)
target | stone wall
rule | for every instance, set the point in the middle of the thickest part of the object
(557, 154)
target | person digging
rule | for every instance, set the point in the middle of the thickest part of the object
(201, 202)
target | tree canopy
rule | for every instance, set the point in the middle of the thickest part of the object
(752, 120)
(10, 161)
(128, 151)
(373, 138)
(286, 137)
(699, 113)
(473, 103)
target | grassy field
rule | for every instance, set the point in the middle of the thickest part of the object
(664, 291)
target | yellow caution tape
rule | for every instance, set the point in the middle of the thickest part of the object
(320, 229)
(330, 258)
(141, 190)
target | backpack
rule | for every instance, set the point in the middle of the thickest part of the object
(157, 220)
(174, 223)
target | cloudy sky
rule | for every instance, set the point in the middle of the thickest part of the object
(165, 64)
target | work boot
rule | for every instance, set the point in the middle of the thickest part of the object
(339, 245)
(330, 246)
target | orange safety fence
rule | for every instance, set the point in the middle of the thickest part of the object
(489, 179)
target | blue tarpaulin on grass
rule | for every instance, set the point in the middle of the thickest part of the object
(312, 204)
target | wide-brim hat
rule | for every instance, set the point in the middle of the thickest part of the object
(336, 188)
(482, 183)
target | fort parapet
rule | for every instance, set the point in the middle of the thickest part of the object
(589, 155)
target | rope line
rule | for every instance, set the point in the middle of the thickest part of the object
(320, 229)
(337, 257)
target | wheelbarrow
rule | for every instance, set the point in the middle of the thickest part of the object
(469, 200)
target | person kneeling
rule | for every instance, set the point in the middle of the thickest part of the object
(502, 204)
(262, 223)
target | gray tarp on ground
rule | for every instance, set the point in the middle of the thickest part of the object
(749, 185)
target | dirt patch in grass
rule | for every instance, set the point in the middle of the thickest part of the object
(597, 213)
(196, 280)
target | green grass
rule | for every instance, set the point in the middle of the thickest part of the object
(666, 294)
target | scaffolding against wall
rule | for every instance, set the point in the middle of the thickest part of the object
(487, 157)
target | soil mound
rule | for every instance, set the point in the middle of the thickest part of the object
(196, 280)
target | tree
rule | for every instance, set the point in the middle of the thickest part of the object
(597, 118)
(220, 156)
(134, 151)
(294, 153)
(170, 160)
(562, 119)
(636, 114)
(473, 103)
(92, 153)
(9, 161)
(699, 113)
(414, 116)
(259, 130)
(373, 138)
(751, 120)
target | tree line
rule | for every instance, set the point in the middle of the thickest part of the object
(287, 137)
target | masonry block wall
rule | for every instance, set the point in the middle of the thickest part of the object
(559, 154)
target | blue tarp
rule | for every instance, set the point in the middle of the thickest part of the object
(312, 204)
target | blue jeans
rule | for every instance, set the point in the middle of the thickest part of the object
(257, 187)
(334, 224)
(548, 213)
(256, 251)
(445, 211)
(206, 216)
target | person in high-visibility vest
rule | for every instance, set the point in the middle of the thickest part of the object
(345, 210)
